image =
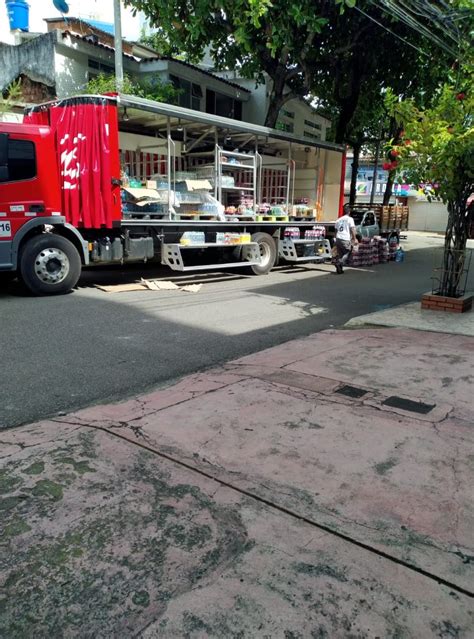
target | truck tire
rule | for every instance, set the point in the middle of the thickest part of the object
(49, 265)
(268, 253)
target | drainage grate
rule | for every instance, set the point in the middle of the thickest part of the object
(408, 404)
(351, 391)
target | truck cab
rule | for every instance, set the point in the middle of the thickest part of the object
(366, 224)
(29, 184)
(30, 203)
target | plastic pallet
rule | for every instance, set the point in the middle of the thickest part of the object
(305, 218)
(204, 218)
(272, 218)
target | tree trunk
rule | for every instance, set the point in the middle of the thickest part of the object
(454, 258)
(348, 108)
(355, 168)
(394, 132)
(276, 99)
(348, 103)
(389, 188)
(273, 111)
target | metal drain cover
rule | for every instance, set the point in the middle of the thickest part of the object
(351, 391)
(408, 404)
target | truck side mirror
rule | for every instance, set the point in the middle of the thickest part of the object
(4, 173)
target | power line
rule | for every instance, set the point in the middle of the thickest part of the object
(390, 31)
(404, 16)
(412, 23)
(432, 13)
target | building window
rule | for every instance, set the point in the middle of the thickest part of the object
(224, 105)
(95, 68)
(313, 125)
(196, 96)
(190, 94)
(284, 126)
(184, 89)
(287, 114)
(312, 136)
(21, 161)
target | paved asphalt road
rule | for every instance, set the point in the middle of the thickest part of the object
(62, 353)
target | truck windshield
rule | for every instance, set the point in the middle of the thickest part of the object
(357, 216)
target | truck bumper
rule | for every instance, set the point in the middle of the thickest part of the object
(6, 252)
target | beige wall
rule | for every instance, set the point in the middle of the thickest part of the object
(135, 142)
(331, 162)
(427, 216)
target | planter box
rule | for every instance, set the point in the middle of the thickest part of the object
(447, 304)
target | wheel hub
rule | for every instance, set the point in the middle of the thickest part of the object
(52, 265)
(264, 254)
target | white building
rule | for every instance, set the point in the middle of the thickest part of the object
(60, 63)
(59, 55)
(297, 116)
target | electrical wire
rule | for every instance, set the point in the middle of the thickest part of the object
(432, 14)
(390, 31)
(394, 9)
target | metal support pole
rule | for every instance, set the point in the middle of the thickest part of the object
(376, 168)
(118, 46)
(343, 179)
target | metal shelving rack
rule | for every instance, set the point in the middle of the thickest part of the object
(239, 162)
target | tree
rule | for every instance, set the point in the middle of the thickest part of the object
(158, 91)
(11, 95)
(346, 53)
(276, 37)
(436, 151)
(324, 49)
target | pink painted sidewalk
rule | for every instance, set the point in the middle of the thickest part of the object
(257, 498)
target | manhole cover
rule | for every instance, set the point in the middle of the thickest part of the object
(408, 404)
(351, 391)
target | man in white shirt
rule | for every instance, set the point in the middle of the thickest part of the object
(345, 238)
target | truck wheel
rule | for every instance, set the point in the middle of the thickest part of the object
(50, 264)
(268, 253)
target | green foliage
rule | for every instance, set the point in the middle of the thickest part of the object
(151, 89)
(436, 148)
(106, 83)
(327, 49)
(11, 95)
(254, 36)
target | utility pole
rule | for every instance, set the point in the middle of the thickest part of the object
(118, 46)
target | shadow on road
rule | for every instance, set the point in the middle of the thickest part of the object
(62, 353)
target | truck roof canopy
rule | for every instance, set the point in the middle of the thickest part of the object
(139, 111)
(145, 116)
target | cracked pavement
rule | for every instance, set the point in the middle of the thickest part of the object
(253, 500)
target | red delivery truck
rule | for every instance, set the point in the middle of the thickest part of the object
(114, 179)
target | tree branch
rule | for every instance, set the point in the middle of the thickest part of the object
(353, 43)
